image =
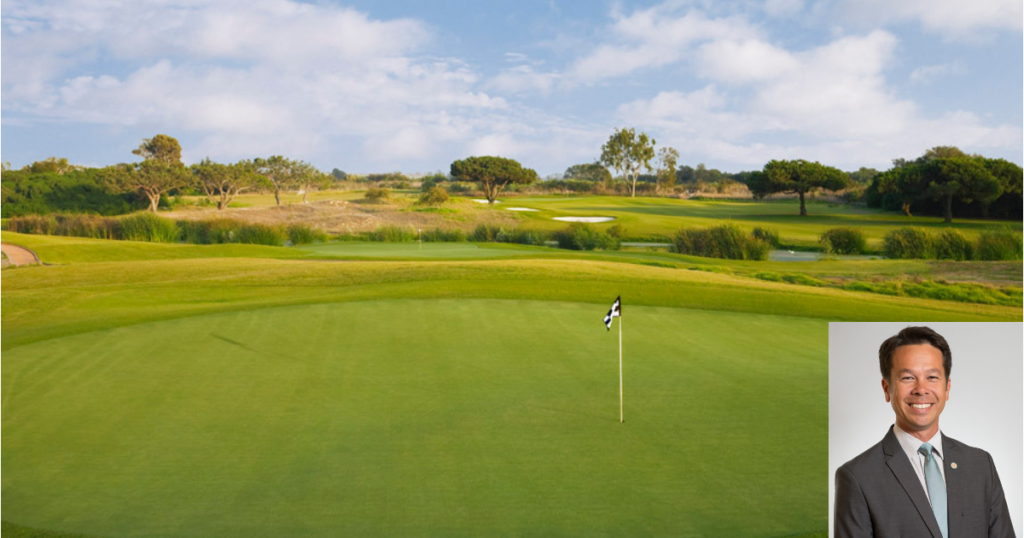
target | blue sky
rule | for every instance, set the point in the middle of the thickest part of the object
(370, 86)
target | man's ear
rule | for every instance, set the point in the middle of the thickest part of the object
(885, 388)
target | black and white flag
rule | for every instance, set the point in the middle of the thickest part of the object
(615, 312)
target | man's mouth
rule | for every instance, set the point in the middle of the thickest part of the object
(921, 406)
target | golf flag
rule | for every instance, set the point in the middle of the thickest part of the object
(615, 312)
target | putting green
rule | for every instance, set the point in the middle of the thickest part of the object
(453, 417)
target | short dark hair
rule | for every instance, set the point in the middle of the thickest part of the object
(909, 337)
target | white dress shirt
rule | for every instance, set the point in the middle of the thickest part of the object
(911, 445)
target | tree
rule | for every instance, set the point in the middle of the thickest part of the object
(282, 173)
(492, 173)
(668, 157)
(161, 148)
(959, 177)
(308, 177)
(1009, 175)
(798, 177)
(339, 175)
(628, 153)
(151, 178)
(223, 182)
(907, 182)
(589, 172)
(863, 176)
(51, 164)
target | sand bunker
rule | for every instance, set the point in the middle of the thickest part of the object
(584, 219)
(479, 201)
(521, 209)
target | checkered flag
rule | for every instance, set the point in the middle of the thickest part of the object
(615, 312)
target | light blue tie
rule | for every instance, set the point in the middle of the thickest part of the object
(936, 488)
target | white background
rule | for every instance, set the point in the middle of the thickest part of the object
(985, 407)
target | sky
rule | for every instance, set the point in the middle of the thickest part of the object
(372, 86)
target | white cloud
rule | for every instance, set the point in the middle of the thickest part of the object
(521, 79)
(928, 73)
(780, 8)
(655, 37)
(829, 103)
(952, 18)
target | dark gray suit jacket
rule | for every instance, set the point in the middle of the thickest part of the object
(878, 494)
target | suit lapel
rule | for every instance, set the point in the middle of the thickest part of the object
(900, 466)
(954, 484)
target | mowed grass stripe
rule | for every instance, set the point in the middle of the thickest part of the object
(445, 417)
(46, 302)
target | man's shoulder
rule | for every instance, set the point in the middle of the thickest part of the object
(867, 460)
(965, 451)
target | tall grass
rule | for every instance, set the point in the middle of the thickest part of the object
(582, 236)
(33, 224)
(300, 234)
(1000, 244)
(951, 244)
(261, 234)
(440, 235)
(908, 242)
(392, 234)
(148, 227)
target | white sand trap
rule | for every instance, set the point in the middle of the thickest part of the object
(584, 219)
(477, 200)
(521, 209)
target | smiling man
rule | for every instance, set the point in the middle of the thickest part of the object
(917, 482)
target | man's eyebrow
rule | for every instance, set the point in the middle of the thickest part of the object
(909, 371)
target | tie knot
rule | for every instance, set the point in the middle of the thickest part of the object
(925, 449)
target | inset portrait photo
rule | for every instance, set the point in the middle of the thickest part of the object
(926, 422)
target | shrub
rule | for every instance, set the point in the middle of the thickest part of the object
(843, 240)
(392, 234)
(377, 194)
(196, 232)
(300, 234)
(1000, 244)
(438, 235)
(908, 242)
(33, 224)
(768, 235)
(756, 249)
(147, 226)
(485, 233)
(261, 234)
(581, 236)
(617, 231)
(951, 244)
(722, 241)
(434, 196)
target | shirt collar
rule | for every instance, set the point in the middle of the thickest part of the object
(912, 444)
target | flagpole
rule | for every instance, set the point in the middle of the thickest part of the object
(622, 417)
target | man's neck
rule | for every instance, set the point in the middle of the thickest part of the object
(923, 435)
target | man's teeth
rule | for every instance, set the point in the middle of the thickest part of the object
(921, 406)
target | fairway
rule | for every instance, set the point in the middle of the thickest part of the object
(445, 417)
(414, 250)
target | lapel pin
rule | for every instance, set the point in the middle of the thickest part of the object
(953, 465)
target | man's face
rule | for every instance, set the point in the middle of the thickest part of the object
(917, 388)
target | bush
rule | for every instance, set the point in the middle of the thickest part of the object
(723, 241)
(843, 240)
(439, 235)
(908, 242)
(486, 233)
(300, 234)
(261, 234)
(434, 196)
(522, 237)
(33, 224)
(1001, 244)
(581, 236)
(951, 244)
(148, 227)
(377, 194)
(392, 234)
(768, 235)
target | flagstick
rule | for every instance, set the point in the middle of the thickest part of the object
(622, 417)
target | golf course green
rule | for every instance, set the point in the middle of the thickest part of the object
(442, 389)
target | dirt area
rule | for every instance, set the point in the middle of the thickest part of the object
(17, 256)
(341, 217)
